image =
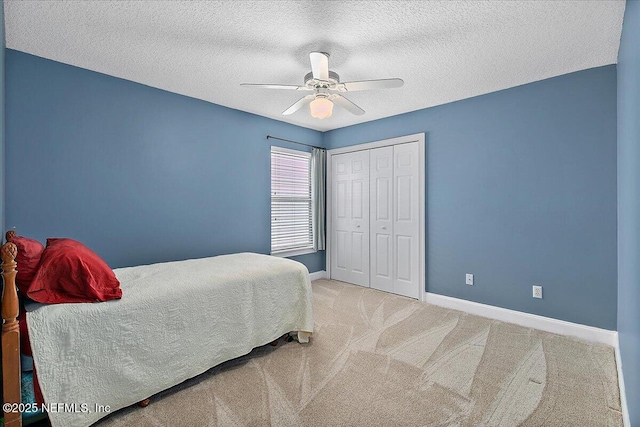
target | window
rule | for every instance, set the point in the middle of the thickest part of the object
(291, 218)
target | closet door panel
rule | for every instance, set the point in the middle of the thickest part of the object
(403, 248)
(359, 224)
(350, 214)
(406, 224)
(381, 228)
(340, 212)
(341, 251)
(357, 199)
(357, 252)
(382, 262)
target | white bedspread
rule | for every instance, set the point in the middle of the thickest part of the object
(175, 320)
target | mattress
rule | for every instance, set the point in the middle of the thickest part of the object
(175, 320)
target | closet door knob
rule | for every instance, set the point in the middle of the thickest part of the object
(357, 226)
(384, 228)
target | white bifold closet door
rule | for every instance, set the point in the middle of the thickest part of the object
(381, 230)
(406, 221)
(350, 214)
(375, 217)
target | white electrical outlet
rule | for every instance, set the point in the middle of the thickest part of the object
(469, 279)
(537, 291)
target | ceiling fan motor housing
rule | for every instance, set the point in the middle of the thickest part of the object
(331, 83)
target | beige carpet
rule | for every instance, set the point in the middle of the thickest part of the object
(377, 359)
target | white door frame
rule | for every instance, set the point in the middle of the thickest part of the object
(420, 139)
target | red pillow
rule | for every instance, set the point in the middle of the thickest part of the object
(28, 258)
(71, 272)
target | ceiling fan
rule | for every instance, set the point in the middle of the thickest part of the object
(325, 84)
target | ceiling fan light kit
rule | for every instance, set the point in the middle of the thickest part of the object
(325, 83)
(321, 108)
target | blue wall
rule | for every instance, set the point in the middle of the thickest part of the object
(2, 115)
(139, 174)
(629, 206)
(521, 190)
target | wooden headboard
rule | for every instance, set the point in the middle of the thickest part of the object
(10, 332)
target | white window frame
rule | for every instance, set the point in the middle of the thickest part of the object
(297, 251)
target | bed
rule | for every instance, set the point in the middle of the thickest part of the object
(175, 321)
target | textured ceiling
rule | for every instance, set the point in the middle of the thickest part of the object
(443, 50)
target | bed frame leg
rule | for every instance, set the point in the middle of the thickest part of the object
(303, 337)
(10, 335)
(144, 403)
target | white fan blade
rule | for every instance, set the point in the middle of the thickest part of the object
(268, 86)
(372, 84)
(319, 65)
(298, 105)
(347, 105)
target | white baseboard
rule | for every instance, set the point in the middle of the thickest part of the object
(623, 396)
(318, 275)
(528, 320)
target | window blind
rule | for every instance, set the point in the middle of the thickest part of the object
(291, 217)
